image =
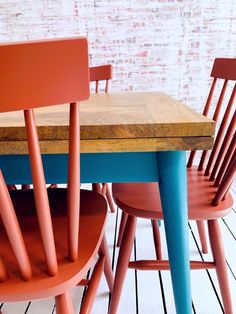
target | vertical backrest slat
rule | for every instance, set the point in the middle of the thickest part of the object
(202, 160)
(96, 89)
(232, 147)
(215, 118)
(224, 147)
(221, 132)
(73, 197)
(40, 193)
(209, 98)
(226, 181)
(220, 102)
(14, 234)
(106, 87)
(205, 113)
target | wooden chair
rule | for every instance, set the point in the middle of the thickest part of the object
(208, 195)
(98, 74)
(101, 73)
(216, 74)
(46, 248)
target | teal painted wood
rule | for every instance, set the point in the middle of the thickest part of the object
(173, 189)
(101, 167)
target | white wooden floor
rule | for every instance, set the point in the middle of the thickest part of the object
(147, 292)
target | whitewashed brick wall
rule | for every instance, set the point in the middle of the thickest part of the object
(166, 45)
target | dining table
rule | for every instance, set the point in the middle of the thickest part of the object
(124, 137)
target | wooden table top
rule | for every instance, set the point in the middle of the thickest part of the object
(116, 122)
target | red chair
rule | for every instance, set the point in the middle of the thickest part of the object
(101, 73)
(98, 74)
(208, 195)
(200, 223)
(46, 248)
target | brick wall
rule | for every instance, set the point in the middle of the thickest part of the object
(166, 45)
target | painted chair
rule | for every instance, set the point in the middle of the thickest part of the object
(98, 74)
(46, 248)
(215, 117)
(101, 73)
(208, 195)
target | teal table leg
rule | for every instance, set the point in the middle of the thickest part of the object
(173, 189)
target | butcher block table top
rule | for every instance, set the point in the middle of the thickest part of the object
(115, 122)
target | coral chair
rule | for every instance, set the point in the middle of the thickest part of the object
(101, 73)
(98, 74)
(218, 72)
(46, 248)
(208, 195)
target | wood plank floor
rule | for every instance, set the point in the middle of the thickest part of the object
(150, 291)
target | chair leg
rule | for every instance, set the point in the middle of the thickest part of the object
(157, 238)
(109, 198)
(122, 263)
(11, 187)
(202, 235)
(87, 304)
(220, 262)
(64, 304)
(123, 221)
(97, 187)
(107, 265)
(25, 187)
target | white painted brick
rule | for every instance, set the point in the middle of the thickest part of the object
(166, 45)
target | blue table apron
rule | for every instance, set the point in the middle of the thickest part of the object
(169, 168)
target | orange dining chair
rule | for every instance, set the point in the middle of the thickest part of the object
(200, 223)
(101, 73)
(49, 237)
(208, 195)
(98, 74)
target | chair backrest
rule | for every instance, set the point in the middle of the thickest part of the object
(37, 74)
(220, 164)
(101, 73)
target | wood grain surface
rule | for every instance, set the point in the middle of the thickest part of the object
(114, 123)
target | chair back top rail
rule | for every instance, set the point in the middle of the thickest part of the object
(37, 74)
(224, 68)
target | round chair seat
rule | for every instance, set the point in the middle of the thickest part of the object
(143, 199)
(93, 211)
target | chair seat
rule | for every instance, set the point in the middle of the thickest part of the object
(143, 199)
(93, 211)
